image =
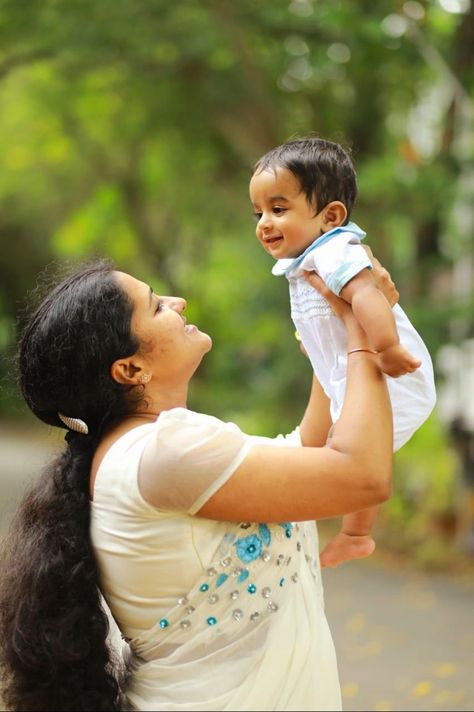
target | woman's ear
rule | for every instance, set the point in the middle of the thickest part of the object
(124, 371)
(334, 214)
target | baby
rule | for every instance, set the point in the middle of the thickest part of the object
(303, 192)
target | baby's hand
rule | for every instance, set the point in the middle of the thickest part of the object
(396, 361)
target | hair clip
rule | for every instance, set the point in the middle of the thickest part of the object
(75, 424)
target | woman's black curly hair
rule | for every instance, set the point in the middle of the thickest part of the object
(53, 629)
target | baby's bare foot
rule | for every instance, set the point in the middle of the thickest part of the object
(345, 547)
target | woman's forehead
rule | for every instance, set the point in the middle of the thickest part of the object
(135, 289)
(128, 282)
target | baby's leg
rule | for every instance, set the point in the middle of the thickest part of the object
(354, 541)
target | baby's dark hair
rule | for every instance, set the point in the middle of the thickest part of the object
(323, 168)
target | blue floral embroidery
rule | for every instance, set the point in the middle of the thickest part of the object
(243, 576)
(265, 534)
(249, 548)
(288, 527)
(220, 579)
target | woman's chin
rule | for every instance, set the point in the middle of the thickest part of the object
(209, 343)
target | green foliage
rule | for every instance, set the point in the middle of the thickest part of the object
(420, 518)
(424, 470)
(99, 225)
(128, 128)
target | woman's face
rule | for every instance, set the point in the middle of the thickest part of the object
(170, 348)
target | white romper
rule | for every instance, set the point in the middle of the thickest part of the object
(218, 615)
(337, 256)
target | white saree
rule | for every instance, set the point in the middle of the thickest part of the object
(218, 615)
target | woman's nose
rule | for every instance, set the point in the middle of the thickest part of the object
(178, 304)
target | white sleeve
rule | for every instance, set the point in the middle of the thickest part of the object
(189, 456)
(337, 260)
(293, 439)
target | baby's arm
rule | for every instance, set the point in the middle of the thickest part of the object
(374, 314)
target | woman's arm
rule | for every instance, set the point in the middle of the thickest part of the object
(316, 422)
(352, 473)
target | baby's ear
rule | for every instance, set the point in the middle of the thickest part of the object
(334, 214)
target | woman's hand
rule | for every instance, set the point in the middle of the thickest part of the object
(380, 275)
(340, 307)
(383, 279)
(356, 336)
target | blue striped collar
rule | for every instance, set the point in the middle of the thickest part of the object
(285, 266)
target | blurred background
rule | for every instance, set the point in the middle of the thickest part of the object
(128, 129)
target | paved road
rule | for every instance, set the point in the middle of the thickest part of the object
(405, 639)
(22, 455)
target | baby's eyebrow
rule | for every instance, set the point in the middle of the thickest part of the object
(274, 199)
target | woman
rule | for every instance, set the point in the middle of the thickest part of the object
(201, 538)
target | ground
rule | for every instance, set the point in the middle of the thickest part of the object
(404, 637)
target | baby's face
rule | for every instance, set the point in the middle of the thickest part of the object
(287, 223)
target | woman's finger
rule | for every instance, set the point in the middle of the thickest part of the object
(339, 306)
(369, 252)
(383, 278)
(315, 281)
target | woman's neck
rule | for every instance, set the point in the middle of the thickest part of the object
(156, 401)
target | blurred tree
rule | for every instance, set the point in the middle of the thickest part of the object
(128, 128)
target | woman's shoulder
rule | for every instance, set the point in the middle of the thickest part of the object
(184, 416)
(191, 421)
(167, 420)
(171, 430)
(170, 462)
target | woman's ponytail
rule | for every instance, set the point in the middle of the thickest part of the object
(52, 625)
(54, 653)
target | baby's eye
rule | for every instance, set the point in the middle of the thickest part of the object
(159, 305)
(257, 215)
(278, 210)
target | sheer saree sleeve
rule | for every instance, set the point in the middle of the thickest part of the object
(188, 457)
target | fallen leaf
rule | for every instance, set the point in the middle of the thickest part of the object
(356, 624)
(447, 669)
(382, 706)
(423, 688)
(351, 689)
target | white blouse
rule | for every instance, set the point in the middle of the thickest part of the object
(218, 615)
(337, 256)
